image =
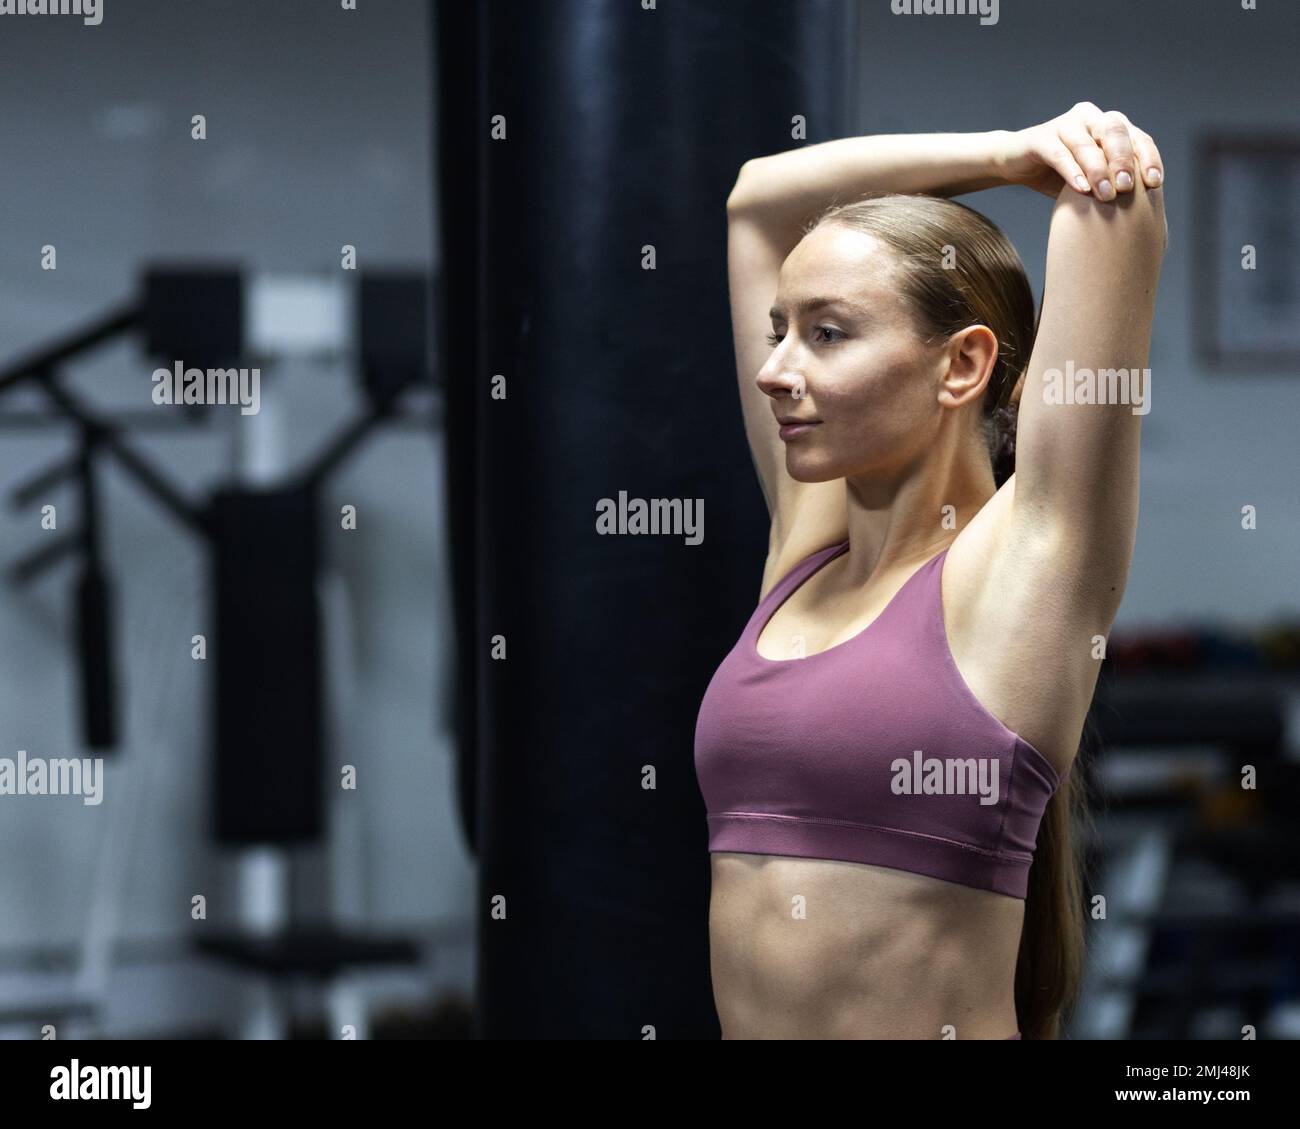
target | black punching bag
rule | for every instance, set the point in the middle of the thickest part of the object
(587, 150)
(458, 155)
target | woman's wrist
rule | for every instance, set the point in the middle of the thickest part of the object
(999, 149)
(976, 161)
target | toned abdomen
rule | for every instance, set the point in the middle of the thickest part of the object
(812, 948)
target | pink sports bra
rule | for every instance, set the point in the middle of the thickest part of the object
(874, 751)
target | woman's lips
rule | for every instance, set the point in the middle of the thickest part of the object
(792, 430)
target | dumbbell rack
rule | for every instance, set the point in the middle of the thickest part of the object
(1216, 951)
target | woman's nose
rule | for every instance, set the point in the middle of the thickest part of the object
(780, 379)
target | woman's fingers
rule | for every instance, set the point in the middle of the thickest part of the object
(1062, 160)
(1101, 152)
(1090, 158)
(1111, 132)
(1148, 158)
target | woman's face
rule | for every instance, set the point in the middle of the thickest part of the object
(853, 366)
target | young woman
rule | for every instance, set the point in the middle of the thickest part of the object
(886, 753)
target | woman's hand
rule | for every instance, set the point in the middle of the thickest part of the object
(1085, 148)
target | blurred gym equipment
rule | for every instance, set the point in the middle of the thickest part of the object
(266, 634)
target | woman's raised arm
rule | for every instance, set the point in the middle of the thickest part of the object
(1087, 385)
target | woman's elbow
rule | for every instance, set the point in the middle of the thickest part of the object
(1137, 218)
(741, 190)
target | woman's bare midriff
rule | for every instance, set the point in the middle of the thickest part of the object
(819, 949)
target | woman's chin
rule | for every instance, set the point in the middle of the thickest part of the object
(809, 470)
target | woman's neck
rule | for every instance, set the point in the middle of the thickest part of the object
(905, 522)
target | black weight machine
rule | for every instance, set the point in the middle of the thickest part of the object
(267, 741)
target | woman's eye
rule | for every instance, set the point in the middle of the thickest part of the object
(774, 339)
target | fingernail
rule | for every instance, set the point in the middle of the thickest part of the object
(1154, 176)
(1105, 189)
(1123, 181)
(1081, 183)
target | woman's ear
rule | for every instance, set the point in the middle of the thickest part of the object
(974, 354)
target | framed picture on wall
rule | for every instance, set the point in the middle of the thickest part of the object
(1247, 286)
